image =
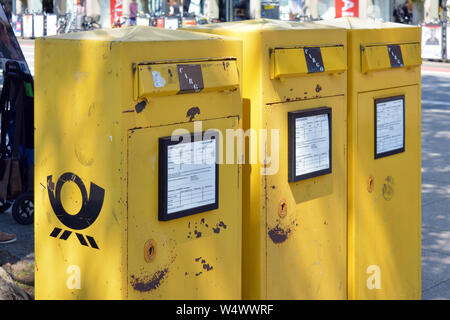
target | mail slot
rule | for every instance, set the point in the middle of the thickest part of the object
(384, 176)
(384, 57)
(300, 61)
(168, 79)
(294, 196)
(133, 201)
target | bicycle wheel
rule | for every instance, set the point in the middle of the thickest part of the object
(23, 208)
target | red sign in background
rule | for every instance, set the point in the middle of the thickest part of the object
(116, 7)
(346, 8)
(160, 23)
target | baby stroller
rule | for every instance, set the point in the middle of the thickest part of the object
(17, 143)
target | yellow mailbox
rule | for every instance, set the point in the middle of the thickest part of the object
(294, 195)
(384, 199)
(132, 201)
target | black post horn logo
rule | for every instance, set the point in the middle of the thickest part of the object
(90, 207)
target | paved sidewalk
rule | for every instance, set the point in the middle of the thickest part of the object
(25, 236)
(436, 184)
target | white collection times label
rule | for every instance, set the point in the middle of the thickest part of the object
(191, 175)
(390, 126)
(312, 144)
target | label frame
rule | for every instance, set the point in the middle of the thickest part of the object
(315, 54)
(394, 151)
(164, 143)
(395, 56)
(292, 116)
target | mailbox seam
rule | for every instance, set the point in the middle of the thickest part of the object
(131, 130)
(388, 88)
(297, 100)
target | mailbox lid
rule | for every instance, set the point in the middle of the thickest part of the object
(388, 56)
(291, 62)
(163, 79)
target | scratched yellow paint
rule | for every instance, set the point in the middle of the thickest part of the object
(95, 123)
(384, 240)
(302, 255)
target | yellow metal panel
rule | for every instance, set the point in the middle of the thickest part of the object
(291, 270)
(367, 32)
(334, 58)
(306, 248)
(261, 37)
(408, 279)
(75, 134)
(158, 80)
(377, 57)
(374, 58)
(308, 86)
(289, 62)
(384, 232)
(220, 75)
(387, 223)
(85, 110)
(197, 255)
(411, 54)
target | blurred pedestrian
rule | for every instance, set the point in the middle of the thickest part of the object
(133, 13)
(403, 12)
(295, 7)
(174, 8)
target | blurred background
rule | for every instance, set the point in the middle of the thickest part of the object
(111, 13)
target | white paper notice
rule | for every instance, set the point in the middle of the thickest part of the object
(312, 144)
(158, 79)
(389, 133)
(431, 42)
(191, 175)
